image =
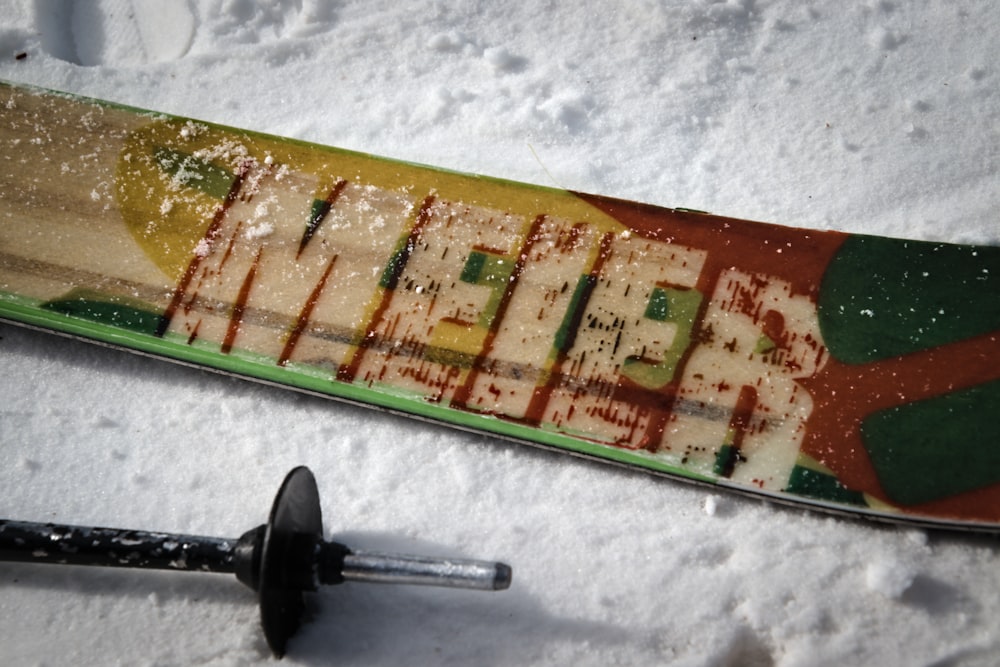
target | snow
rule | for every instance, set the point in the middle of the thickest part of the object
(877, 116)
(890, 578)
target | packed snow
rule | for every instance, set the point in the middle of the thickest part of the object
(873, 116)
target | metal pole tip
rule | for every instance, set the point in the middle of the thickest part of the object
(504, 574)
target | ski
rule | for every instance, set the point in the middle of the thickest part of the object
(843, 372)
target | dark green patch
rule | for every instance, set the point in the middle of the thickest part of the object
(882, 298)
(725, 460)
(394, 268)
(822, 486)
(937, 448)
(658, 307)
(119, 312)
(566, 333)
(320, 209)
(473, 267)
(195, 172)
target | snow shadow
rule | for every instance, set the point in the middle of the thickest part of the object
(365, 624)
(349, 624)
(359, 624)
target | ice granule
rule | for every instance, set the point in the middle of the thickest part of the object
(259, 231)
(203, 248)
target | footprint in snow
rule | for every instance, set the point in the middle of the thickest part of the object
(115, 32)
(136, 32)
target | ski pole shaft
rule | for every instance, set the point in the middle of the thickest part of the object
(279, 560)
(30, 542)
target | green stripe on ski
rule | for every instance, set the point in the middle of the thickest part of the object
(129, 314)
(25, 311)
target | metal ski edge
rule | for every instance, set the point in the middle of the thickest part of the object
(244, 368)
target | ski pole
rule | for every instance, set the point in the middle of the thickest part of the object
(279, 560)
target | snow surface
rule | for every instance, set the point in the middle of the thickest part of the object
(875, 116)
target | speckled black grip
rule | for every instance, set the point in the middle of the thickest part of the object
(29, 542)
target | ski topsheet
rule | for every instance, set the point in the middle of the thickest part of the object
(841, 371)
